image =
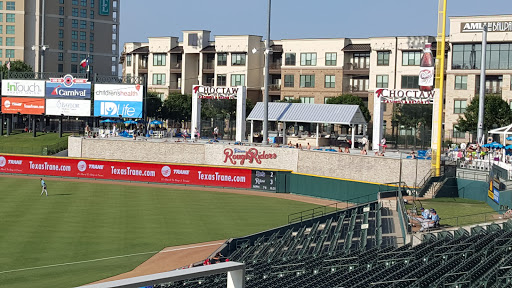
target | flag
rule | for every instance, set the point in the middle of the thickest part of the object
(8, 64)
(85, 62)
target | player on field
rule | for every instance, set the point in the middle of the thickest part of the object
(43, 185)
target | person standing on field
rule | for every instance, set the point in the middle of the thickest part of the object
(43, 185)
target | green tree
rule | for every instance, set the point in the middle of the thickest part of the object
(293, 100)
(497, 113)
(177, 107)
(349, 99)
(414, 115)
(16, 66)
(153, 105)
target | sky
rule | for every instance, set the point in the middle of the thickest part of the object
(293, 19)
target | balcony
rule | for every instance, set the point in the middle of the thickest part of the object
(356, 69)
(143, 67)
(209, 67)
(274, 67)
(176, 67)
(174, 88)
(274, 89)
(359, 90)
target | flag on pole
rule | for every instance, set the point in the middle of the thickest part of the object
(85, 62)
(8, 65)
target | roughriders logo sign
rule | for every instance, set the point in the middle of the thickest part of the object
(251, 155)
(206, 92)
(405, 96)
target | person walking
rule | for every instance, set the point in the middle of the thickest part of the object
(215, 133)
(43, 186)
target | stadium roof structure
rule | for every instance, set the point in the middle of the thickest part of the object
(309, 113)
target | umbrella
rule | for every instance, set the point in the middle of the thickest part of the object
(107, 121)
(155, 122)
(118, 121)
(496, 145)
(508, 147)
(486, 145)
(141, 121)
(509, 138)
(128, 122)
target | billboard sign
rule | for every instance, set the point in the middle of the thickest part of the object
(104, 7)
(207, 92)
(26, 88)
(68, 87)
(405, 96)
(118, 92)
(501, 26)
(22, 105)
(68, 107)
(126, 109)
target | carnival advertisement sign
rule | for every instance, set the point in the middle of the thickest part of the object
(25, 88)
(68, 87)
(68, 107)
(405, 96)
(208, 92)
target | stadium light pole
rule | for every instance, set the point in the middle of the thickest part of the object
(265, 95)
(481, 98)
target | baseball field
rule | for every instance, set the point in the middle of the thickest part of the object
(86, 231)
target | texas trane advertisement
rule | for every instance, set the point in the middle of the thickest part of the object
(68, 87)
(27, 88)
(112, 100)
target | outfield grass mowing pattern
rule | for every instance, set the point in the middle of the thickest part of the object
(83, 221)
(25, 143)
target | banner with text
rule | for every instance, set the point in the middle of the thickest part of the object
(26, 88)
(68, 107)
(68, 87)
(112, 100)
(405, 96)
(22, 105)
(127, 171)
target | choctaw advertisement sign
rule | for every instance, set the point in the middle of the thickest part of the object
(208, 92)
(406, 96)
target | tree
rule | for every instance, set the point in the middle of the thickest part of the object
(177, 107)
(153, 105)
(414, 115)
(349, 99)
(497, 113)
(16, 66)
(293, 100)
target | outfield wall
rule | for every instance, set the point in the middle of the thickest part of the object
(337, 165)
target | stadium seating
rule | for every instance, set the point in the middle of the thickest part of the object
(345, 249)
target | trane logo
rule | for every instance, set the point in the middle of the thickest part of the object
(181, 172)
(95, 167)
(20, 88)
(61, 92)
(15, 162)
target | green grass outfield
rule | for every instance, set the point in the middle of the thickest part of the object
(25, 143)
(85, 221)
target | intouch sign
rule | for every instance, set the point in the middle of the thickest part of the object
(26, 88)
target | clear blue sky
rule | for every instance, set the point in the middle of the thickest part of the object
(294, 18)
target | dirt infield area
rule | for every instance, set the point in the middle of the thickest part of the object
(175, 257)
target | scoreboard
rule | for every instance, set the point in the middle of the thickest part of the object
(264, 180)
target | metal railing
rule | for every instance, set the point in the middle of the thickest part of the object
(323, 210)
(471, 175)
(274, 87)
(40, 75)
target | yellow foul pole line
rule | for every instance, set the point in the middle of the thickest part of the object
(441, 37)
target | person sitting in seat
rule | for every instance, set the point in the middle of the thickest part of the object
(433, 221)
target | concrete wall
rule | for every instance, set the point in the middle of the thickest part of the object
(336, 165)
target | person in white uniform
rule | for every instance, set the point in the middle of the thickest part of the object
(43, 186)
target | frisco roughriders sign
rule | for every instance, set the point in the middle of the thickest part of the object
(251, 155)
(405, 96)
(208, 92)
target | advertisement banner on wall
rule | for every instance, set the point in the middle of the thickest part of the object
(115, 108)
(25, 88)
(405, 96)
(68, 107)
(22, 105)
(68, 87)
(127, 171)
(118, 92)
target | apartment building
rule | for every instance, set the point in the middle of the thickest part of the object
(55, 35)
(314, 70)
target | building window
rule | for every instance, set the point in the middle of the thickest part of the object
(457, 133)
(289, 59)
(9, 29)
(383, 58)
(9, 41)
(237, 80)
(74, 34)
(289, 80)
(129, 60)
(410, 82)
(74, 23)
(83, 3)
(326, 99)
(238, 59)
(74, 46)
(91, 48)
(10, 18)
(307, 81)
(83, 46)
(91, 36)
(467, 56)
(192, 39)
(74, 12)
(1, 41)
(92, 3)
(221, 80)
(307, 100)
(158, 79)
(74, 68)
(10, 5)
(74, 2)
(382, 81)
(459, 106)
(330, 59)
(1, 5)
(83, 35)
(61, 22)
(83, 13)
(461, 82)
(159, 59)
(308, 59)
(330, 81)
(60, 68)
(9, 53)
(61, 10)
(1, 17)
(61, 45)
(411, 58)
(61, 56)
(74, 57)
(83, 24)
(91, 25)
(61, 1)
(91, 15)
(289, 98)
(1, 29)
(61, 33)
(222, 59)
